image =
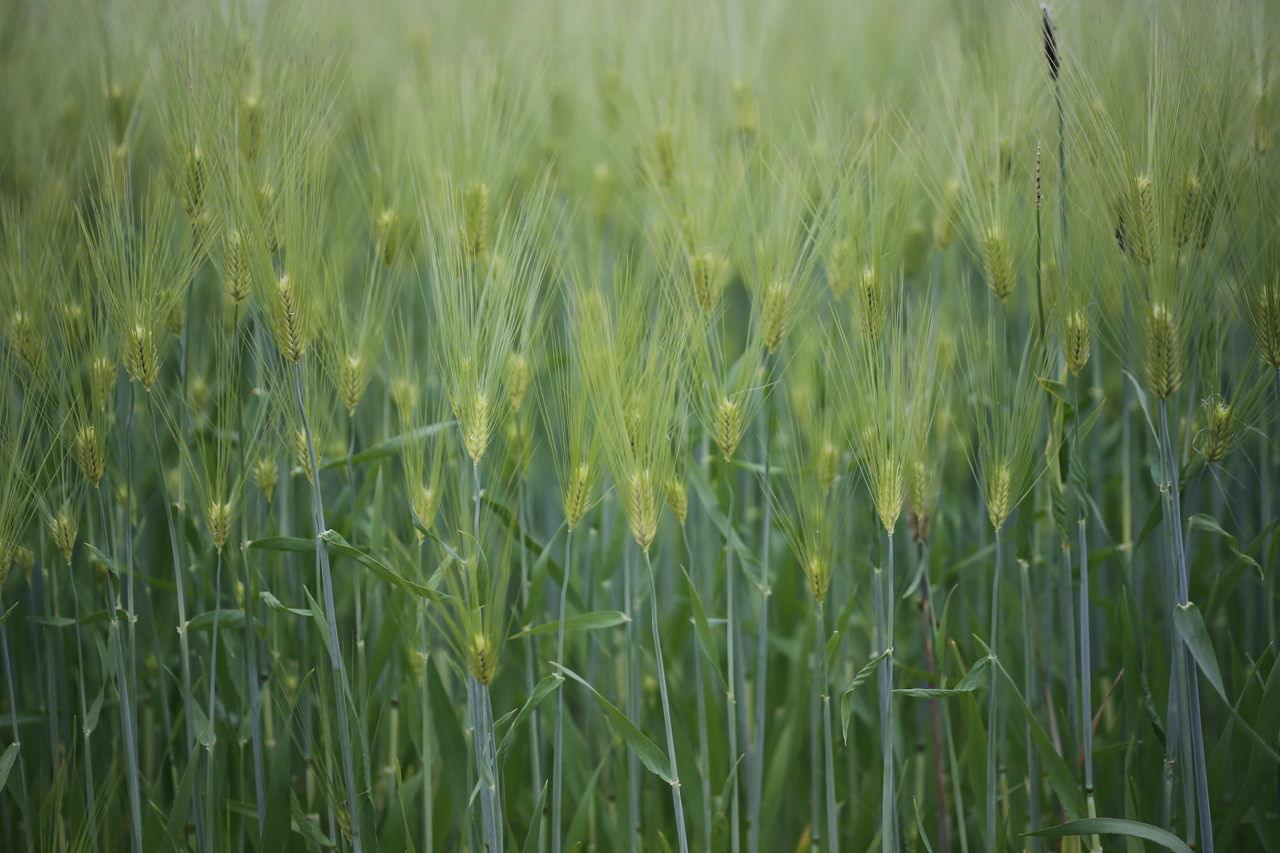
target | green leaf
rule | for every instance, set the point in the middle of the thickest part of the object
(1190, 625)
(1057, 389)
(846, 698)
(1060, 776)
(541, 691)
(339, 545)
(102, 616)
(1116, 826)
(105, 560)
(91, 716)
(972, 681)
(1142, 401)
(6, 763)
(1267, 725)
(535, 823)
(645, 749)
(386, 448)
(1200, 521)
(51, 621)
(175, 829)
(706, 640)
(833, 646)
(277, 605)
(1086, 426)
(710, 503)
(284, 543)
(579, 622)
(226, 617)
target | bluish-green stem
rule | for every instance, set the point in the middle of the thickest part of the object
(815, 735)
(762, 643)
(185, 666)
(126, 709)
(558, 756)
(1029, 688)
(704, 761)
(992, 707)
(676, 799)
(1189, 666)
(480, 738)
(128, 555)
(820, 649)
(211, 795)
(633, 700)
(27, 814)
(884, 639)
(331, 615)
(531, 642)
(932, 627)
(734, 755)
(90, 799)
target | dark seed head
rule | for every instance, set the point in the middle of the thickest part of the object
(1050, 42)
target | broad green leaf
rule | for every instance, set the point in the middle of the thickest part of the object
(580, 622)
(1190, 625)
(6, 763)
(340, 546)
(972, 681)
(277, 605)
(541, 691)
(386, 448)
(50, 621)
(1115, 826)
(176, 827)
(1057, 389)
(226, 617)
(1207, 523)
(284, 543)
(1060, 776)
(846, 698)
(105, 560)
(706, 640)
(91, 716)
(710, 503)
(645, 749)
(535, 823)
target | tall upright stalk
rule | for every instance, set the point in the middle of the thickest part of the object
(183, 643)
(883, 579)
(992, 706)
(1030, 690)
(762, 641)
(676, 800)
(17, 740)
(1189, 673)
(331, 615)
(210, 792)
(704, 761)
(531, 642)
(90, 799)
(558, 754)
(126, 709)
(730, 698)
(820, 649)
(939, 770)
(633, 700)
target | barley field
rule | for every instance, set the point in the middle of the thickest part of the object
(578, 425)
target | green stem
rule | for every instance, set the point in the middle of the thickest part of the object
(183, 642)
(126, 709)
(992, 707)
(331, 615)
(704, 760)
(762, 644)
(27, 816)
(210, 793)
(677, 802)
(1030, 688)
(558, 755)
(91, 800)
(820, 648)
(730, 698)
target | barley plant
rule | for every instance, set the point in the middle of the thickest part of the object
(578, 425)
